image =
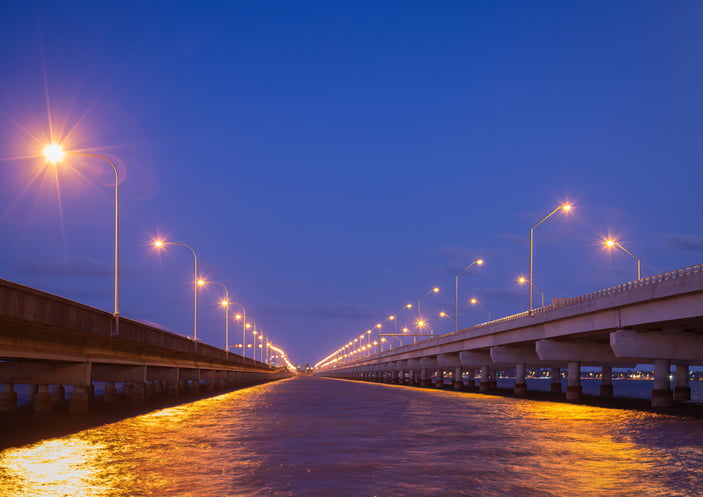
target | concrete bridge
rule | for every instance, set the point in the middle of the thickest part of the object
(47, 341)
(656, 320)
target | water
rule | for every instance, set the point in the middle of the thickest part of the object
(318, 437)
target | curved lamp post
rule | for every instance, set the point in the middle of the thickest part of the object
(522, 280)
(224, 303)
(54, 154)
(477, 262)
(475, 301)
(562, 207)
(244, 326)
(433, 290)
(196, 282)
(613, 243)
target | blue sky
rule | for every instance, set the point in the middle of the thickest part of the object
(332, 161)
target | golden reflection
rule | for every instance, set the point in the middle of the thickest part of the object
(54, 467)
(575, 442)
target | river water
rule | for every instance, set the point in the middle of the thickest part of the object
(313, 437)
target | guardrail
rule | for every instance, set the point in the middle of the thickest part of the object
(568, 301)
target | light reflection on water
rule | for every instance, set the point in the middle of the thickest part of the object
(314, 437)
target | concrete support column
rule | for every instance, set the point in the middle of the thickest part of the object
(194, 387)
(149, 390)
(111, 395)
(33, 389)
(606, 382)
(555, 386)
(520, 384)
(411, 377)
(573, 388)
(209, 386)
(58, 394)
(8, 398)
(401, 377)
(470, 380)
(78, 401)
(171, 389)
(458, 380)
(439, 380)
(42, 400)
(138, 392)
(159, 388)
(220, 384)
(486, 379)
(424, 379)
(661, 394)
(682, 390)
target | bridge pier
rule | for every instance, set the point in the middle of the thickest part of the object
(661, 393)
(8, 398)
(110, 394)
(58, 394)
(470, 380)
(424, 378)
(606, 382)
(78, 401)
(682, 390)
(520, 384)
(573, 388)
(458, 380)
(439, 379)
(43, 402)
(488, 381)
(555, 386)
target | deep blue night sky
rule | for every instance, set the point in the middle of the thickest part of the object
(331, 161)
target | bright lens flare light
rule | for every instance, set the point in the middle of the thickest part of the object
(53, 153)
(158, 243)
(566, 207)
(610, 243)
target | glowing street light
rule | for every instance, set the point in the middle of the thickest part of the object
(563, 207)
(522, 280)
(54, 153)
(613, 243)
(477, 262)
(243, 317)
(433, 290)
(224, 303)
(475, 301)
(159, 244)
(394, 317)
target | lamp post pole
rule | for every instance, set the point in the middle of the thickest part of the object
(613, 243)
(419, 317)
(54, 154)
(564, 207)
(196, 282)
(456, 292)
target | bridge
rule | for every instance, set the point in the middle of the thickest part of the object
(656, 320)
(48, 341)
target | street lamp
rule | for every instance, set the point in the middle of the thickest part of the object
(475, 301)
(477, 262)
(224, 303)
(242, 316)
(394, 317)
(522, 280)
(433, 290)
(613, 243)
(159, 244)
(54, 154)
(562, 207)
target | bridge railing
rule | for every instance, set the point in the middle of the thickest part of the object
(25, 304)
(568, 301)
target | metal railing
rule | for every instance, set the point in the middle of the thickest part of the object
(569, 301)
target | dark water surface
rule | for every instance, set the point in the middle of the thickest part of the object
(316, 437)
